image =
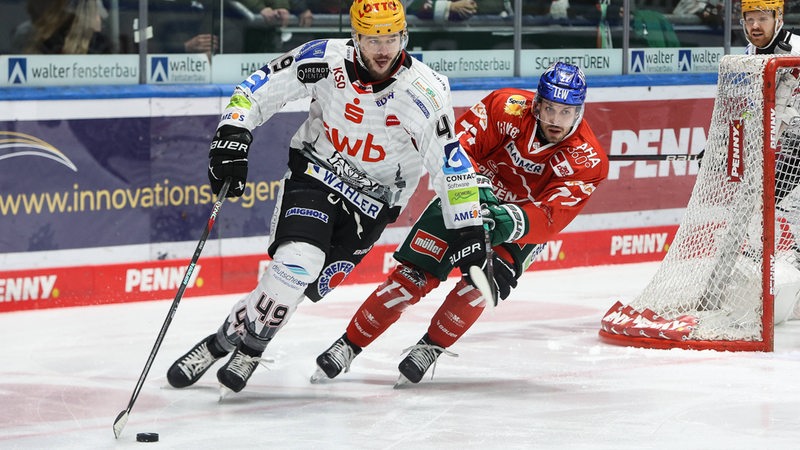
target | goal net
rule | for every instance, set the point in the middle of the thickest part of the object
(732, 269)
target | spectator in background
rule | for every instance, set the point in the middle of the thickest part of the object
(442, 10)
(63, 27)
(274, 12)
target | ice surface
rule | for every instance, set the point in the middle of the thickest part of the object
(530, 374)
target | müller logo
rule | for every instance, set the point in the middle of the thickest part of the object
(14, 144)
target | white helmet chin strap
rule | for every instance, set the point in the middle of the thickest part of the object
(778, 27)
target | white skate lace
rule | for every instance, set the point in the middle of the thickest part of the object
(243, 365)
(197, 361)
(425, 355)
(342, 355)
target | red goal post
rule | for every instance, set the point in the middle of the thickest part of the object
(726, 274)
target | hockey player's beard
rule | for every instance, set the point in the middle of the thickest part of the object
(551, 133)
(381, 67)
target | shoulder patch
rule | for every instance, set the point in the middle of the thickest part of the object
(428, 92)
(310, 73)
(516, 105)
(313, 49)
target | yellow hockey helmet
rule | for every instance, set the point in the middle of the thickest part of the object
(762, 5)
(377, 17)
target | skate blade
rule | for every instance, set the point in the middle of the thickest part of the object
(318, 376)
(401, 382)
(224, 392)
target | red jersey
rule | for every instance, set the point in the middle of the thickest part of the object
(550, 182)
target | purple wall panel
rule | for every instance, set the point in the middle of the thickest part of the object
(125, 170)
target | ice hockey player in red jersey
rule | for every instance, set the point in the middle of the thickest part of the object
(538, 162)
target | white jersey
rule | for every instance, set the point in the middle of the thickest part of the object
(378, 137)
(787, 92)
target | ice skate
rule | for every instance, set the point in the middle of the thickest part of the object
(191, 366)
(420, 358)
(335, 359)
(239, 368)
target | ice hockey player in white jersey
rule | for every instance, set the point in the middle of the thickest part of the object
(762, 21)
(378, 119)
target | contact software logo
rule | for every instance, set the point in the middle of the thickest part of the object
(14, 144)
(159, 69)
(17, 70)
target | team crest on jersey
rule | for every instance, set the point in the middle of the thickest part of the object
(560, 164)
(313, 49)
(333, 275)
(516, 105)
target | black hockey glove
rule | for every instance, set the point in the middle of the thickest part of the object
(228, 158)
(506, 222)
(504, 276)
(468, 249)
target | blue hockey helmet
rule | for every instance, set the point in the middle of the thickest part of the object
(563, 83)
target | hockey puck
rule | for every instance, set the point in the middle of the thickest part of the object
(146, 437)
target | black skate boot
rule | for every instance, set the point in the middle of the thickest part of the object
(235, 373)
(191, 366)
(335, 359)
(420, 358)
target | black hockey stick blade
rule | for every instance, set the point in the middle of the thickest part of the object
(122, 417)
(632, 157)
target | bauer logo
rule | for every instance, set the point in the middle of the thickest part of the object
(17, 70)
(735, 167)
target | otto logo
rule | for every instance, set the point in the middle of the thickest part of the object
(370, 7)
(639, 244)
(18, 289)
(160, 278)
(428, 244)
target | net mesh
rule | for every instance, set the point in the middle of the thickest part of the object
(713, 270)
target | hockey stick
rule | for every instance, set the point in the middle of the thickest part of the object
(677, 157)
(122, 417)
(484, 279)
